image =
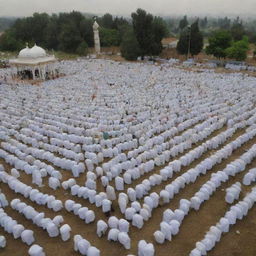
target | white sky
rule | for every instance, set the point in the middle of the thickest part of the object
(125, 7)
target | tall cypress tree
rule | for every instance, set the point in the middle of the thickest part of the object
(191, 40)
(197, 40)
(142, 25)
(149, 32)
(182, 46)
(183, 23)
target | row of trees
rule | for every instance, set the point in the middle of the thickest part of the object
(73, 33)
(232, 43)
(222, 45)
(139, 36)
(68, 32)
(208, 25)
(175, 24)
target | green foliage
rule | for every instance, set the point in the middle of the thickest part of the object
(197, 40)
(183, 43)
(183, 23)
(65, 31)
(160, 29)
(82, 49)
(51, 30)
(238, 50)
(218, 43)
(142, 25)
(119, 23)
(149, 32)
(106, 21)
(59, 32)
(70, 38)
(109, 37)
(130, 49)
(244, 43)
(191, 39)
(86, 31)
(8, 42)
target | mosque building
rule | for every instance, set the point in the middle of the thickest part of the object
(34, 63)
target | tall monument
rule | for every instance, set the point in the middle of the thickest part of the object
(96, 36)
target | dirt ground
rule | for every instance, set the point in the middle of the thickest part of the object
(192, 229)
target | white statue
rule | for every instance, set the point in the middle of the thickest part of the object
(96, 37)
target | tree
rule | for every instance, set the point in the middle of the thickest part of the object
(32, 29)
(159, 30)
(86, 31)
(119, 23)
(63, 31)
(38, 24)
(109, 37)
(73, 29)
(197, 40)
(183, 43)
(149, 32)
(51, 33)
(106, 21)
(238, 50)
(70, 38)
(218, 43)
(183, 23)
(8, 42)
(130, 49)
(142, 25)
(192, 39)
(237, 31)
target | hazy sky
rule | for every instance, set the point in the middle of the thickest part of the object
(125, 7)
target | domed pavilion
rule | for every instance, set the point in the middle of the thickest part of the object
(34, 63)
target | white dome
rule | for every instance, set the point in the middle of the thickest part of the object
(24, 53)
(34, 52)
(37, 52)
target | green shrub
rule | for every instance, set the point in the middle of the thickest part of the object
(82, 49)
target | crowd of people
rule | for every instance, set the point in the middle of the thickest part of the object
(118, 131)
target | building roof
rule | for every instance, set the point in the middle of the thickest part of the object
(32, 61)
(32, 56)
(34, 52)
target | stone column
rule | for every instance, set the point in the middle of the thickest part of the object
(33, 73)
(43, 72)
(96, 37)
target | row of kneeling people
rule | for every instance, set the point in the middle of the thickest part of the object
(236, 212)
(28, 192)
